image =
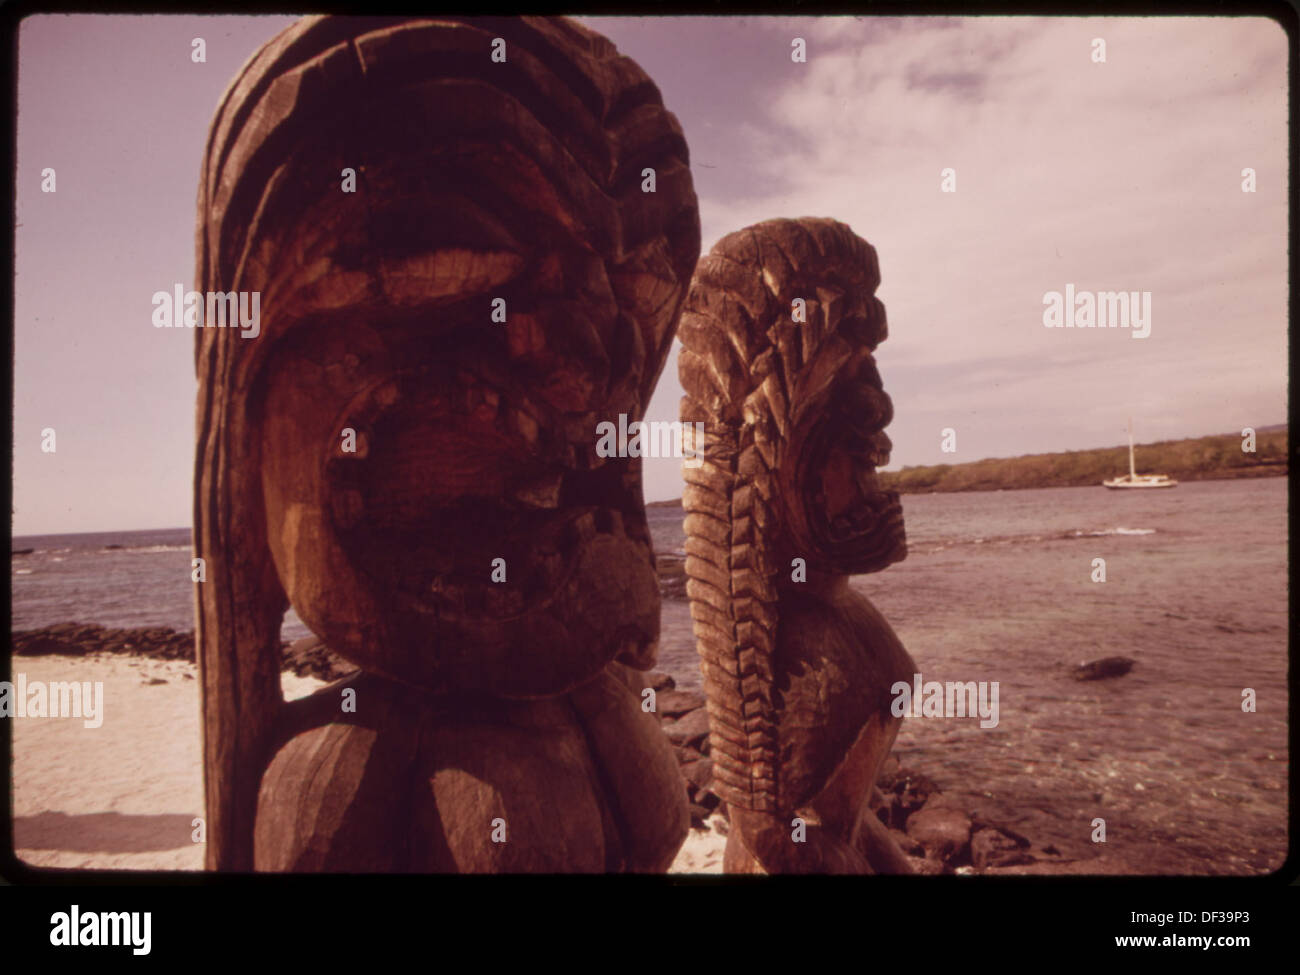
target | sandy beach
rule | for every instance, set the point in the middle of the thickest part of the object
(128, 795)
(125, 795)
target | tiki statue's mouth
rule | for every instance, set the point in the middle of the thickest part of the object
(480, 516)
(851, 516)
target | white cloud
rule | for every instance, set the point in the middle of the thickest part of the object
(1122, 175)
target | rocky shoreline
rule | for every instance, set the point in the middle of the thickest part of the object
(305, 658)
(936, 833)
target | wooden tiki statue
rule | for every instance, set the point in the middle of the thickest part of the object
(460, 276)
(778, 333)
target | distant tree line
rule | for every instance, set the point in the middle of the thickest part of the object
(1199, 459)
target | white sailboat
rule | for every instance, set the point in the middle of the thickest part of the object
(1135, 480)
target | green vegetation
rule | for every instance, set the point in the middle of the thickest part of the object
(1199, 459)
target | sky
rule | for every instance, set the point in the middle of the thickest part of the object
(1122, 174)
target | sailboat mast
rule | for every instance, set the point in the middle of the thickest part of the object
(1132, 471)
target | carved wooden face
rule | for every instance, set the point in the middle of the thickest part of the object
(471, 539)
(838, 510)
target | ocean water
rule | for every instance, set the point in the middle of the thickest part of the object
(997, 586)
(1207, 558)
(115, 579)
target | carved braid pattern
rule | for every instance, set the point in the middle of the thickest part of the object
(748, 372)
(734, 607)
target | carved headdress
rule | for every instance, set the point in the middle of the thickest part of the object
(777, 332)
(493, 158)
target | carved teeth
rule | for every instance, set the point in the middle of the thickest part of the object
(542, 492)
(866, 518)
(479, 599)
